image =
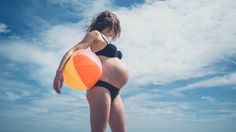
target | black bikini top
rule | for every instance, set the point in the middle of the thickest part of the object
(110, 50)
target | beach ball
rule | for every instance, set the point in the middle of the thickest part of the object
(82, 70)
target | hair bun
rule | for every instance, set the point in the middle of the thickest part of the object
(107, 21)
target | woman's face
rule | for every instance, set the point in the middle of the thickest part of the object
(112, 33)
(109, 32)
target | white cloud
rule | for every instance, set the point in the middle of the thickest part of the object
(40, 63)
(164, 42)
(37, 106)
(208, 99)
(63, 112)
(11, 90)
(87, 9)
(3, 28)
(226, 80)
(146, 113)
(62, 37)
(42, 55)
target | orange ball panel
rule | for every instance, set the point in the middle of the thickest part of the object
(71, 78)
(87, 69)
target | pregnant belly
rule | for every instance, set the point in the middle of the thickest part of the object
(114, 72)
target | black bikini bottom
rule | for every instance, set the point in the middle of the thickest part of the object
(112, 89)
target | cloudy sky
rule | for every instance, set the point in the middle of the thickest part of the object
(181, 55)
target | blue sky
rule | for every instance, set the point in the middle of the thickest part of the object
(180, 53)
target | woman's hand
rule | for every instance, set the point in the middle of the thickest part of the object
(58, 82)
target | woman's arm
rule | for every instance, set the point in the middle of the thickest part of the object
(85, 43)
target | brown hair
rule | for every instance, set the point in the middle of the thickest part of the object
(103, 20)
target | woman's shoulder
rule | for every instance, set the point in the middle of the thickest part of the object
(94, 33)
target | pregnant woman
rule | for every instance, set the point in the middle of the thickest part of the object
(104, 100)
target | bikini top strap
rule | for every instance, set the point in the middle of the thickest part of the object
(104, 37)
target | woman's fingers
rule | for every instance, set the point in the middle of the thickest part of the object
(61, 83)
(57, 85)
(57, 88)
(58, 82)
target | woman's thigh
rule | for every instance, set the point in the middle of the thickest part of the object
(117, 116)
(99, 102)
